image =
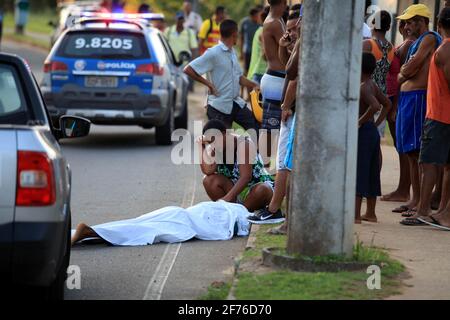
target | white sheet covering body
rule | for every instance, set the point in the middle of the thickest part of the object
(206, 221)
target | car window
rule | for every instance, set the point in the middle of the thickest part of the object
(168, 50)
(13, 106)
(159, 49)
(104, 45)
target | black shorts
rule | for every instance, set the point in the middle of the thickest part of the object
(435, 147)
(368, 183)
(242, 116)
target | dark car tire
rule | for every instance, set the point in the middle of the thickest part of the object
(181, 122)
(163, 134)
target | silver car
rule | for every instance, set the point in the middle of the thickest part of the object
(35, 185)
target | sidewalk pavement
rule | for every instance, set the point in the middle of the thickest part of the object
(424, 251)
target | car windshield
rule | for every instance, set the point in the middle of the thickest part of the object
(13, 106)
(104, 45)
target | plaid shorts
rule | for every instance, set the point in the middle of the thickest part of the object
(271, 115)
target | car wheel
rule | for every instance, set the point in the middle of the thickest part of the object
(181, 122)
(164, 132)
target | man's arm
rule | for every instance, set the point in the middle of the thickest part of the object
(283, 52)
(414, 65)
(196, 77)
(207, 164)
(374, 106)
(291, 94)
(292, 65)
(245, 153)
(250, 85)
(387, 106)
(402, 53)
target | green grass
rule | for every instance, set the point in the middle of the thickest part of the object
(264, 240)
(217, 291)
(288, 285)
(37, 21)
(28, 40)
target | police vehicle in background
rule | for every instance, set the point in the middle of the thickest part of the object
(117, 72)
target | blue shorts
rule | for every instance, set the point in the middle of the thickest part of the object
(288, 161)
(412, 108)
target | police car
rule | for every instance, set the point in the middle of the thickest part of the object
(116, 72)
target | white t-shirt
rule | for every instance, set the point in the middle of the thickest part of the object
(193, 21)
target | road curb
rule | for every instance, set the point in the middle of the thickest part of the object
(237, 262)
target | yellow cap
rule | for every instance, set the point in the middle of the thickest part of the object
(420, 10)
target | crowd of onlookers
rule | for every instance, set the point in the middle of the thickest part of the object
(404, 88)
(415, 77)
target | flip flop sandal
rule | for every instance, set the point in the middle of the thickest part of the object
(409, 213)
(435, 223)
(412, 222)
(401, 209)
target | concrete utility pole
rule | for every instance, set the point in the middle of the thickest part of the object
(324, 179)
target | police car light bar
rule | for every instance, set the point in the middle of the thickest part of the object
(105, 15)
(108, 21)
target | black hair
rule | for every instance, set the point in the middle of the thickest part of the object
(385, 20)
(369, 63)
(214, 125)
(295, 15)
(265, 13)
(274, 2)
(227, 28)
(296, 7)
(444, 18)
(254, 11)
(220, 9)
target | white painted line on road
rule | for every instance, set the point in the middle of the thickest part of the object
(156, 285)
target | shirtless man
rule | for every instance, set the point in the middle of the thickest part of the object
(412, 105)
(290, 92)
(273, 81)
(372, 100)
(403, 191)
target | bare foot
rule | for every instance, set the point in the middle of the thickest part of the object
(395, 197)
(83, 231)
(369, 219)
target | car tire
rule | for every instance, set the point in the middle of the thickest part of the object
(181, 122)
(163, 135)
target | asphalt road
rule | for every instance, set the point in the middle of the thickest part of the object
(119, 173)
